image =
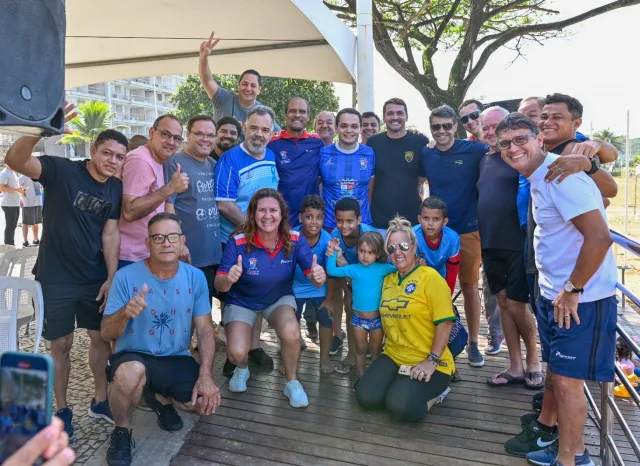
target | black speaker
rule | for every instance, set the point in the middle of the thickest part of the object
(32, 37)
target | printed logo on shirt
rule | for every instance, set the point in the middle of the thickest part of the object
(346, 187)
(92, 205)
(283, 157)
(363, 164)
(205, 186)
(410, 288)
(253, 267)
(394, 304)
(408, 156)
(458, 162)
(283, 261)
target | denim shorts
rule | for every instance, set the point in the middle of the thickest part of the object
(313, 306)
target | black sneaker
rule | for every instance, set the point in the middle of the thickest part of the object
(36, 242)
(532, 438)
(261, 359)
(336, 346)
(528, 418)
(67, 417)
(455, 377)
(536, 402)
(119, 451)
(312, 330)
(168, 417)
(228, 368)
(25, 244)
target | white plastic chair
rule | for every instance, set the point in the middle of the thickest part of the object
(12, 289)
(19, 263)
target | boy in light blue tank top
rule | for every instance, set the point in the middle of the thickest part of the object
(367, 277)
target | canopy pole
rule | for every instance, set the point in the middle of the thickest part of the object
(364, 47)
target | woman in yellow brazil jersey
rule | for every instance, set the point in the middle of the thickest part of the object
(417, 316)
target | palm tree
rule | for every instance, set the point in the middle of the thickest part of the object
(609, 136)
(93, 118)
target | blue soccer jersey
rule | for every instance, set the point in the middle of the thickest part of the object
(238, 176)
(351, 253)
(346, 174)
(266, 276)
(447, 251)
(297, 162)
(302, 287)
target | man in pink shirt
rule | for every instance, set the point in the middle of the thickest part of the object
(144, 191)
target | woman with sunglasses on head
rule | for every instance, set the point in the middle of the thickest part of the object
(417, 317)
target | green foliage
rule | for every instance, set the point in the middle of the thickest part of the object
(93, 118)
(609, 136)
(191, 99)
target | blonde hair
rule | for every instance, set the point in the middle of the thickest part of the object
(400, 224)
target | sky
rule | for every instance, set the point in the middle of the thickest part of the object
(597, 64)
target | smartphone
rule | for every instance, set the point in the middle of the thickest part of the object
(26, 398)
(404, 370)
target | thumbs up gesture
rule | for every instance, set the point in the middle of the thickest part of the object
(137, 304)
(179, 181)
(317, 275)
(235, 272)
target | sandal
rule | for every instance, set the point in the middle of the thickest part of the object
(510, 380)
(534, 375)
(344, 368)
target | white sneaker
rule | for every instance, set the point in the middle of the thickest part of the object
(297, 397)
(238, 382)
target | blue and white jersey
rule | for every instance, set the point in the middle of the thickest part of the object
(447, 250)
(351, 253)
(237, 178)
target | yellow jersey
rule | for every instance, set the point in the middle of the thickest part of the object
(410, 309)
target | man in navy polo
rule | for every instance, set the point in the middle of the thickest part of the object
(296, 158)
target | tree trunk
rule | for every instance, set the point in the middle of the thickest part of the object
(434, 97)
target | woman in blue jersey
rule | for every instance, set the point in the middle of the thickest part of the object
(257, 272)
(346, 167)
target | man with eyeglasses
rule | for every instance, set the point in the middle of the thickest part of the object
(452, 169)
(469, 112)
(196, 207)
(228, 132)
(151, 310)
(143, 186)
(502, 242)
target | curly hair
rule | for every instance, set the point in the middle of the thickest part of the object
(623, 351)
(374, 240)
(250, 227)
(400, 224)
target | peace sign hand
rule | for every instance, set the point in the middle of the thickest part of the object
(207, 46)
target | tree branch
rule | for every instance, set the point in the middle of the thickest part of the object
(415, 16)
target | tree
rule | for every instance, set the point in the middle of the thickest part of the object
(473, 28)
(190, 99)
(609, 136)
(93, 118)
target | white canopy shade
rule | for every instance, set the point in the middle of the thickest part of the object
(129, 38)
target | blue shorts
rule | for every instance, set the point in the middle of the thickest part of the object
(585, 351)
(322, 315)
(374, 323)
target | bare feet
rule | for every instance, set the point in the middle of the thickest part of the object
(326, 365)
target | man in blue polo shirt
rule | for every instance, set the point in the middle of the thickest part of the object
(296, 158)
(242, 171)
(452, 169)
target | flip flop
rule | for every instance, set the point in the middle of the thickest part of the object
(531, 376)
(344, 368)
(510, 380)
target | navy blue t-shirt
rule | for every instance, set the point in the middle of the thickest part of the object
(452, 177)
(77, 208)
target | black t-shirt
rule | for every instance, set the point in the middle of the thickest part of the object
(497, 206)
(398, 167)
(75, 211)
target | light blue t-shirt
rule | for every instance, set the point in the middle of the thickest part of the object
(351, 253)
(238, 176)
(302, 287)
(367, 281)
(164, 327)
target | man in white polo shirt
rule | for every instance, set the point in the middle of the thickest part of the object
(577, 307)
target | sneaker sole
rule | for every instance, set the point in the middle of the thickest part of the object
(518, 453)
(476, 364)
(100, 416)
(297, 405)
(333, 353)
(237, 391)
(491, 353)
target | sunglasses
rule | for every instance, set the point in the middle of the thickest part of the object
(471, 116)
(517, 141)
(404, 246)
(445, 126)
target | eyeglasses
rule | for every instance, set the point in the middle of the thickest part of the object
(471, 116)
(172, 237)
(445, 126)
(404, 246)
(517, 141)
(166, 135)
(200, 134)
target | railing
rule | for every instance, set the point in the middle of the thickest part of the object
(608, 412)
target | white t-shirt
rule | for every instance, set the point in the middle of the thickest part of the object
(557, 241)
(8, 177)
(33, 191)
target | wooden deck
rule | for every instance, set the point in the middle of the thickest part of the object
(259, 427)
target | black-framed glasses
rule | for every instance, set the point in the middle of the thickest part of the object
(200, 134)
(517, 141)
(159, 238)
(166, 135)
(471, 116)
(404, 246)
(438, 126)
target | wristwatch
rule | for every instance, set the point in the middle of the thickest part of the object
(595, 165)
(570, 288)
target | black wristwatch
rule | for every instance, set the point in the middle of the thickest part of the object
(595, 165)
(570, 288)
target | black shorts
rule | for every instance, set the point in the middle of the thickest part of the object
(69, 306)
(505, 270)
(210, 275)
(168, 376)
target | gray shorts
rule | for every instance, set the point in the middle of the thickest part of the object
(32, 215)
(233, 313)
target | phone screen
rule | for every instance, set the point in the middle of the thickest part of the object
(25, 399)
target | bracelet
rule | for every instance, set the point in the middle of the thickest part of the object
(432, 359)
(435, 356)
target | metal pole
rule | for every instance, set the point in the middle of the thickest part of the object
(626, 186)
(606, 424)
(364, 20)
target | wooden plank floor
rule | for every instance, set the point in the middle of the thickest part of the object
(259, 427)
